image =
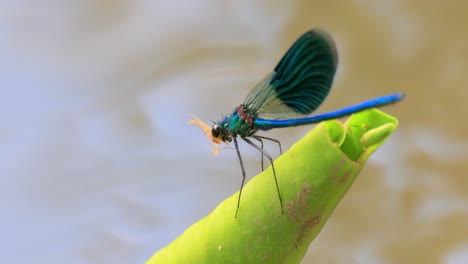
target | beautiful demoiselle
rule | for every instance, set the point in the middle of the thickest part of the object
(297, 86)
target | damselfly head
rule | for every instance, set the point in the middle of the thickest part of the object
(218, 131)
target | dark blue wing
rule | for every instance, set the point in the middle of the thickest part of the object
(300, 81)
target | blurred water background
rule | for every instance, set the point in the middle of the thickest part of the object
(99, 165)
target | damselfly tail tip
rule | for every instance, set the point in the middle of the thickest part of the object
(402, 96)
(396, 97)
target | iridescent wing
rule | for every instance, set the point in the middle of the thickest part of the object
(300, 82)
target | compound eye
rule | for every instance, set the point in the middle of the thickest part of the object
(215, 131)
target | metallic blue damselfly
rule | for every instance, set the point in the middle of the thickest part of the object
(298, 85)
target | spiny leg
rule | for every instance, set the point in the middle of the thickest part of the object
(261, 145)
(272, 166)
(259, 138)
(243, 175)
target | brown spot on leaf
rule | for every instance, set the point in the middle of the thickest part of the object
(305, 227)
(300, 202)
(316, 219)
(343, 178)
(301, 215)
(339, 175)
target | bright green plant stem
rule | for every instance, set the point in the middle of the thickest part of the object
(313, 176)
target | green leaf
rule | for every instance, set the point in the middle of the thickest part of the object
(313, 176)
